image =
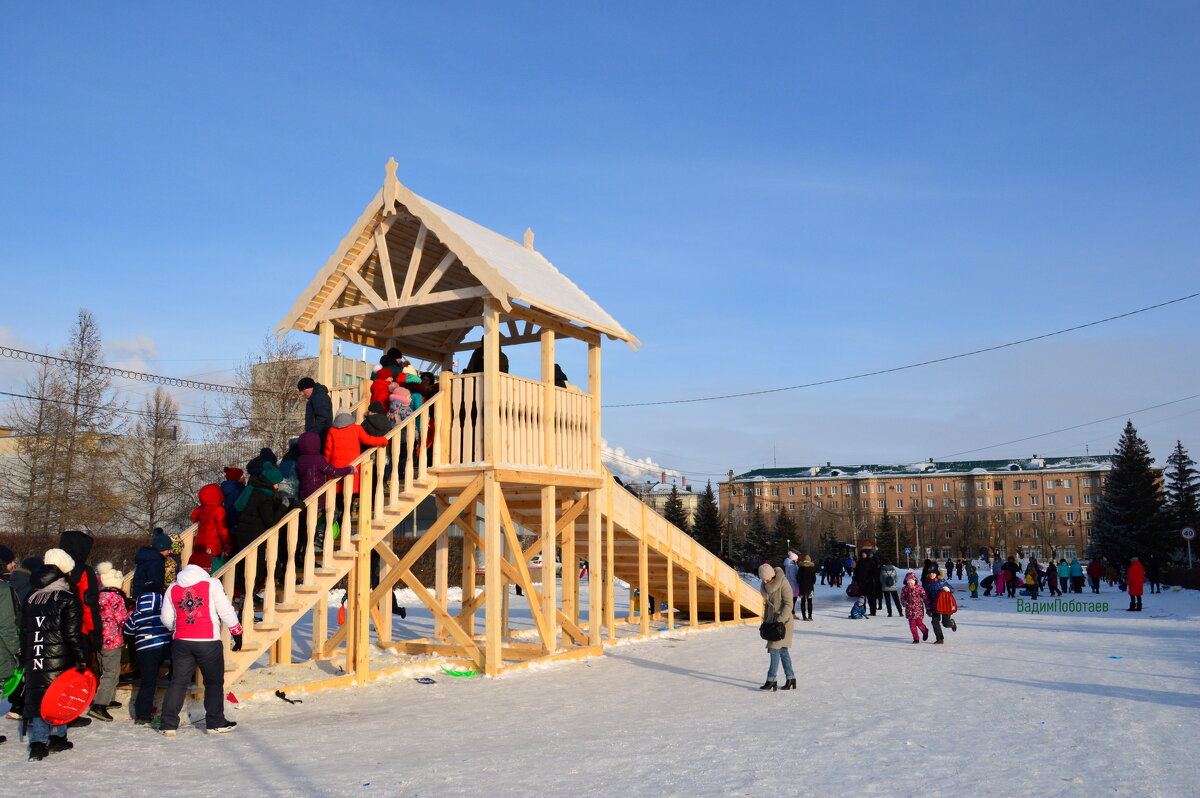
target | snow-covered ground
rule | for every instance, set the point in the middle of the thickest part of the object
(1014, 704)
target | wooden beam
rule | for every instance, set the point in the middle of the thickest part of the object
(552, 322)
(443, 618)
(385, 263)
(414, 263)
(436, 326)
(549, 575)
(377, 302)
(434, 277)
(533, 596)
(493, 581)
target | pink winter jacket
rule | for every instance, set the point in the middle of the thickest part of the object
(912, 597)
(113, 613)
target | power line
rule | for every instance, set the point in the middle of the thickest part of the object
(912, 365)
(118, 410)
(176, 382)
(1075, 426)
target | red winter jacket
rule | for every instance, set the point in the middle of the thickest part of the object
(379, 391)
(212, 536)
(1136, 579)
(1095, 569)
(343, 445)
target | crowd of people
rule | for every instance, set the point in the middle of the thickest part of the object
(59, 613)
(876, 585)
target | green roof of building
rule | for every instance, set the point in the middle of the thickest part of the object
(1099, 462)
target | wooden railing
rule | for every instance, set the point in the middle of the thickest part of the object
(351, 399)
(297, 549)
(522, 407)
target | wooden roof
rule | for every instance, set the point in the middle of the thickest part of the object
(413, 274)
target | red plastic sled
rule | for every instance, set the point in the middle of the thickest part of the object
(68, 696)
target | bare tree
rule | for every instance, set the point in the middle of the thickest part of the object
(269, 408)
(151, 469)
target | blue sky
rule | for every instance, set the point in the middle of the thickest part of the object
(766, 194)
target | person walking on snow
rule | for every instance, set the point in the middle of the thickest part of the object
(790, 567)
(1076, 576)
(1136, 580)
(1032, 577)
(777, 608)
(806, 580)
(1064, 576)
(913, 599)
(194, 608)
(889, 580)
(973, 580)
(1095, 571)
(932, 588)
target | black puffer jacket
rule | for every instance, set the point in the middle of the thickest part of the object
(51, 636)
(85, 582)
(261, 512)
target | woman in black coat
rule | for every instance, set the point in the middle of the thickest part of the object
(51, 642)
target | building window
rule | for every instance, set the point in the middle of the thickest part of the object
(949, 535)
(979, 501)
(1033, 500)
(979, 484)
(758, 491)
(914, 488)
(880, 503)
(1049, 484)
(945, 486)
(1051, 500)
(998, 501)
(1086, 482)
(998, 484)
(1020, 533)
(833, 490)
(1053, 516)
(1070, 531)
(1087, 498)
(1016, 501)
(791, 491)
(1070, 516)
(1037, 533)
(745, 508)
(962, 486)
(804, 491)
(1068, 499)
(1066, 483)
(821, 504)
(930, 503)
(1033, 484)
(1017, 516)
(900, 502)
(1037, 516)
(821, 490)
(962, 502)
(1087, 516)
(774, 491)
(947, 517)
(947, 502)
(833, 505)
(791, 505)
(929, 487)
(745, 491)
(849, 490)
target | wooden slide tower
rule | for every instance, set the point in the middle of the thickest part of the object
(497, 452)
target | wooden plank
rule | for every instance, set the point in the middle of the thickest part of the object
(552, 322)
(643, 578)
(385, 264)
(549, 575)
(436, 326)
(444, 618)
(532, 594)
(377, 302)
(595, 570)
(414, 264)
(493, 581)
(594, 409)
(548, 434)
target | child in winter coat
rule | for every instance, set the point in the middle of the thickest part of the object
(381, 385)
(399, 403)
(345, 442)
(932, 588)
(212, 534)
(151, 645)
(973, 580)
(913, 599)
(113, 613)
(859, 610)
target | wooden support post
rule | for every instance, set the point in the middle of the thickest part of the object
(549, 576)
(383, 624)
(441, 580)
(595, 570)
(320, 625)
(325, 353)
(549, 439)
(643, 578)
(467, 617)
(594, 395)
(610, 568)
(493, 579)
(693, 603)
(670, 589)
(570, 574)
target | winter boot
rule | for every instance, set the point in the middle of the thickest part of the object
(99, 713)
(1132, 604)
(227, 726)
(953, 626)
(80, 722)
(38, 751)
(1139, 603)
(60, 744)
(925, 634)
(770, 685)
(113, 705)
(790, 684)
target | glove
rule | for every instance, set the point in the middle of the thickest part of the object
(237, 643)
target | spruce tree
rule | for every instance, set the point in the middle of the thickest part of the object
(1182, 490)
(885, 535)
(1129, 520)
(757, 543)
(674, 511)
(784, 537)
(707, 523)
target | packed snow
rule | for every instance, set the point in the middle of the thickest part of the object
(1048, 704)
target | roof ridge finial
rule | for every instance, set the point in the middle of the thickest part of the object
(528, 238)
(390, 187)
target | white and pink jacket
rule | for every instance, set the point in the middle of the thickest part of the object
(195, 606)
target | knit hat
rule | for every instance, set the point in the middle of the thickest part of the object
(793, 556)
(201, 560)
(271, 474)
(59, 559)
(109, 576)
(267, 455)
(233, 474)
(766, 572)
(161, 541)
(342, 420)
(32, 564)
(306, 382)
(375, 407)
(808, 559)
(6, 555)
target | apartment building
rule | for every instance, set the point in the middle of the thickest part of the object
(1038, 506)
